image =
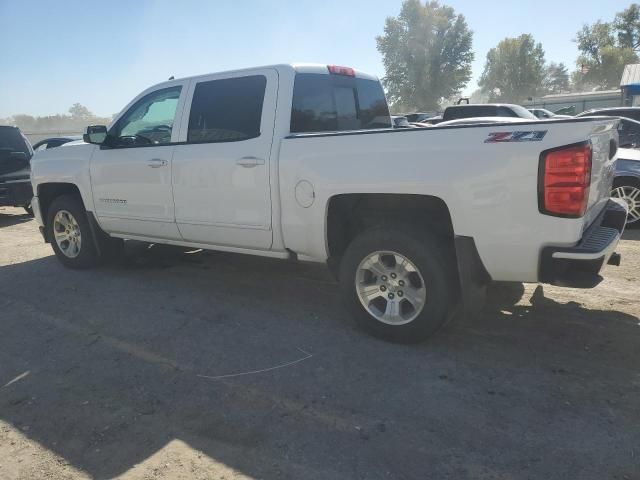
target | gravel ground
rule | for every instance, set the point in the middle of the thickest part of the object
(166, 368)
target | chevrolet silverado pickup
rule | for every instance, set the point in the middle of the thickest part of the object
(302, 162)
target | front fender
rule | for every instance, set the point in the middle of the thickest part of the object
(65, 164)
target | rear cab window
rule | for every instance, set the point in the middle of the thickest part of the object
(331, 103)
(11, 140)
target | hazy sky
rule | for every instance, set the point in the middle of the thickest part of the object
(101, 54)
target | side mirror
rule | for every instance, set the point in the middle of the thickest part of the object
(95, 134)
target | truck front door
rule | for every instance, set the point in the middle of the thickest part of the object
(131, 172)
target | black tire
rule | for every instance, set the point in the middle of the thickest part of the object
(88, 256)
(430, 256)
(29, 210)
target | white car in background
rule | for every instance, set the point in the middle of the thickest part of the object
(544, 114)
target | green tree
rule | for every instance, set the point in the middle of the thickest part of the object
(514, 70)
(556, 79)
(80, 112)
(627, 27)
(605, 48)
(426, 52)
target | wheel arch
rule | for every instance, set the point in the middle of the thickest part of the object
(48, 192)
(350, 214)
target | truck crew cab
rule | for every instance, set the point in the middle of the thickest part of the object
(302, 161)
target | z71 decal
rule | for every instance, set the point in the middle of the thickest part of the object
(504, 137)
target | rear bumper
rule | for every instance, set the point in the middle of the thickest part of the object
(16, 193)
(579, 266)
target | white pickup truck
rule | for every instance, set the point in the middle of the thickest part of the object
(300, 161)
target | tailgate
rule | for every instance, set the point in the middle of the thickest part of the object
(604, 141)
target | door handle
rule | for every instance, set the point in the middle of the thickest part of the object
(250, 162)
(157, 163)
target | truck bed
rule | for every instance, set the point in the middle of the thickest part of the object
(490, 187)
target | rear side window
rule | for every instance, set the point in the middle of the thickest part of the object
(324, 103)
(227, 110)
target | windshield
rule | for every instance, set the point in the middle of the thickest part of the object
(522, 112)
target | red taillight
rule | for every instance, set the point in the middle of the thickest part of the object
(564, 181)
(337, 70)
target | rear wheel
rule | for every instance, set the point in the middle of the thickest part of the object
(398, 283)
(628, 189)
(70, 233)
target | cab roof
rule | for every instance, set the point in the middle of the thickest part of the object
(286, 68)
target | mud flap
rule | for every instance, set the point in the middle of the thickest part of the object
(472, 275)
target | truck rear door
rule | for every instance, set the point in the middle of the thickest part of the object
(220, 177)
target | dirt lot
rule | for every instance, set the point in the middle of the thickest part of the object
(132, 372)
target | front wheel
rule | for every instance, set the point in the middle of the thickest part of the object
(628, 189)
(70, 234)
(398, 283)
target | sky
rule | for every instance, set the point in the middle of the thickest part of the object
(102, 54)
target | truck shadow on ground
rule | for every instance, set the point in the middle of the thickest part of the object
(631, 234)
(8, 220)
(123, 360)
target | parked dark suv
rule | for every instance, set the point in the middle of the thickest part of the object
(15, 171)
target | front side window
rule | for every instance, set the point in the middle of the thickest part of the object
(227, 110)
(149, 121)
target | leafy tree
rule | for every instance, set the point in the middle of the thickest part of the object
(514, 70)
(78, 118)
(627, 27)
(80, 112)
(556, 79)
(605, 48)
(426, 51)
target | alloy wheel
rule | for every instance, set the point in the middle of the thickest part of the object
(631, 195)
(390, 287)
(67, 234)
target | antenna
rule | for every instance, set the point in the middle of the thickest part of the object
(172, 77)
